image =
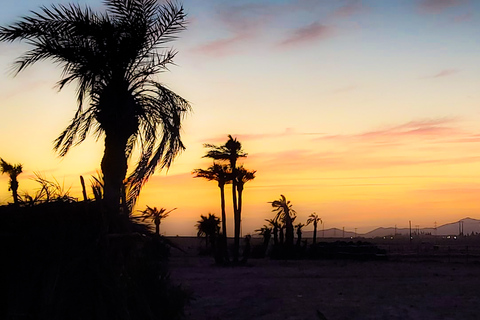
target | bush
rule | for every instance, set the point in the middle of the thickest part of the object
(60, 264)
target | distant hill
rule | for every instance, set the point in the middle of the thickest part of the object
(467, 225)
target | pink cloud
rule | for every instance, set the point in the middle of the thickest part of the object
(350, 9)
(443, 73)
(431, 129)
(222, 47)
(311, 33)
(258, 136)
(438, 6)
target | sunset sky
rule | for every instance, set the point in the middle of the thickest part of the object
(365, 112)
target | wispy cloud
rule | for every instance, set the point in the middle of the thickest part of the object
(260, 136)
(308, 34)
(243, 21)
(438, 6)
(443, 73)
(222, 47)
(348, 10)
(422, 129)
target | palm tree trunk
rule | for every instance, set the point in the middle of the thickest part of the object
(114, 169)
(224, 214)
(224, 246)
(157, 229)
(275, 235)
(236, 218)
(314, 232)
(14, 187)
(288, 229)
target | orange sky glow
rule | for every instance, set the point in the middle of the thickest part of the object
(364, 112)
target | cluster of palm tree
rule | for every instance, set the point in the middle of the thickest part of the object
(224, 170)
(282, 227)
(208, 227)
(113, 57)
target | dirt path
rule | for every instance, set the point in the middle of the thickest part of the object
(267, 289)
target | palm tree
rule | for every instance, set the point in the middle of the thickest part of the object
(13, 170)
(156, 215)
(315, 219)
(222, 174)
(243, 176)
(299, 227)
(266, 232)
(275, 225)
(230, 151)
(285, 212)
(208, 227)
(113, 57)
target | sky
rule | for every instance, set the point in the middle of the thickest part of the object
(365, 112)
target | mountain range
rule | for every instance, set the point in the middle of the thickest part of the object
(464, 226)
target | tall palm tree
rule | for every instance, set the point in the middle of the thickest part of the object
(113, 57)
(208, 227)
(315, 219)
(230, 151)
(222, 174)
(156, 215)
(285, 212)
(242, 177)
(13, 170)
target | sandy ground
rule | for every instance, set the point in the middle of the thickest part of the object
(269, 289)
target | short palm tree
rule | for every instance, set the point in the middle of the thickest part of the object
(299, 226)
(285, 212)
(156, 215)
(13, 170)
(222, 174)
(208, 227)
(275, 226)
(315, 219)
(113, 57)
(230, 151)
(266, 232)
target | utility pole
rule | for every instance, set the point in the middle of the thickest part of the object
(410, 227)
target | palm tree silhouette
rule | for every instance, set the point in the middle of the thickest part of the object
(222, 174)
(275, 225)
(208, 227)
(230, 151)
(299, 227)
(285, 212)
(266, 232)
(13, 170)
(242, 177)
(156, 215)
(315, 219)
(113, 57)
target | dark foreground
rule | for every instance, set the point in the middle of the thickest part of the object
(338, 289)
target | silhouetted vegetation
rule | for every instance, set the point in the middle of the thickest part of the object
(13, 170)
(60, 265)
(230, 152)
(285, 214)
(315, 219)
(113, 57)
(156, 215)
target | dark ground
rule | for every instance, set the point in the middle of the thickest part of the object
(340, 289)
